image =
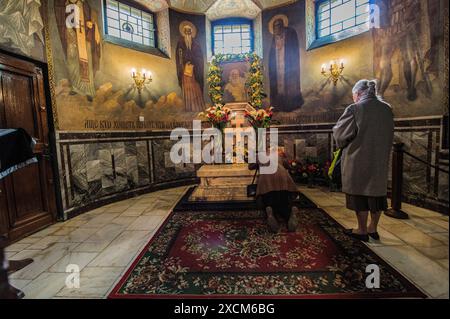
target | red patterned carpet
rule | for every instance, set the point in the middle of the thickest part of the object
(231, 254)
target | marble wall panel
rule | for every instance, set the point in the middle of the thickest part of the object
(94, 170)
(78, 174)
(132, 171)
(165, 169)
(106, 168)
(121, 179)
(143, 163)
(91, 151)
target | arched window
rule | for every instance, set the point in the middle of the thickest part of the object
(336, 17)
(232, 35)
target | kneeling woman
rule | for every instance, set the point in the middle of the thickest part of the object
(275, 195)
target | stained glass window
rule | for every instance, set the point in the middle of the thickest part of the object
(128, 23)
(336, 16)
(232, 36)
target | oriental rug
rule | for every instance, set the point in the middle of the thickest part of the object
(185, 204)
(231, 254)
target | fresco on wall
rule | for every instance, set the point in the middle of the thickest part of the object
(282, 42)
(94, 89)
(406, 54)
(93, 85)
(21, 28)
(81, 47)
(403, 55)
(190, 67)
(284, 65)
(188, 36)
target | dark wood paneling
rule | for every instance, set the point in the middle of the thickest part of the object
(27, 201)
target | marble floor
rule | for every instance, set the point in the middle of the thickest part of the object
(104, 242)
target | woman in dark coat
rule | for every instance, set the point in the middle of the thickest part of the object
(275, 194)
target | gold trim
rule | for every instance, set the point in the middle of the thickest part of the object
(51, 78)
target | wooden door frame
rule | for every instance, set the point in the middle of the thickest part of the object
(27, 66)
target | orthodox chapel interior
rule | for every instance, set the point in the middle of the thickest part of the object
(221, 149)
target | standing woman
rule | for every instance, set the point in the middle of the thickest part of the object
(365, 132)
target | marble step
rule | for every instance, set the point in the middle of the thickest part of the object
(219, 194)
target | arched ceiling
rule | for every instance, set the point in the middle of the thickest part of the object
(216, 9)
(233, 8)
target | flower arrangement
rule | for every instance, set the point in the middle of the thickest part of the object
(218, 115)
(312, 169)
(215, 84)
(255, 81)
(254, 84)
(261, 118)
(309, 171)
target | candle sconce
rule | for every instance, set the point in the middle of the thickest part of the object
(334, 71)
(141, 78)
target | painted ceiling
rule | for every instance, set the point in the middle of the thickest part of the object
(216, 9)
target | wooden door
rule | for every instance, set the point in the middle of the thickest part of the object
(28, 194)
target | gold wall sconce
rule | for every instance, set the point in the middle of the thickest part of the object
(141, 78)
(334, 71)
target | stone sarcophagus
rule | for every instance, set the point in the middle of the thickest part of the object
(226, 182)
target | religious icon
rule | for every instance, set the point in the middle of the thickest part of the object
(235, 89)
(406, 21)
(284, 65)
(81, 46)
(190, 66)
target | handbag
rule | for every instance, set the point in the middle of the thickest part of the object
(251, 189)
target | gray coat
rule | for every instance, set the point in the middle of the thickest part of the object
(365, 131)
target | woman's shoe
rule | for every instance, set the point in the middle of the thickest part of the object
(364, 238)
(374, 236)
(272, 221)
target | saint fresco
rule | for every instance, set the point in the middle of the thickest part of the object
(284, 65)
(81, 46)
(406, 31)
(190, 67)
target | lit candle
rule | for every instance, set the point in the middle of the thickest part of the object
(324, 66)
(144, 73)
(342, 64)
(133, 72)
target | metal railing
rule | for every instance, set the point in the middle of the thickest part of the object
(397, 179)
